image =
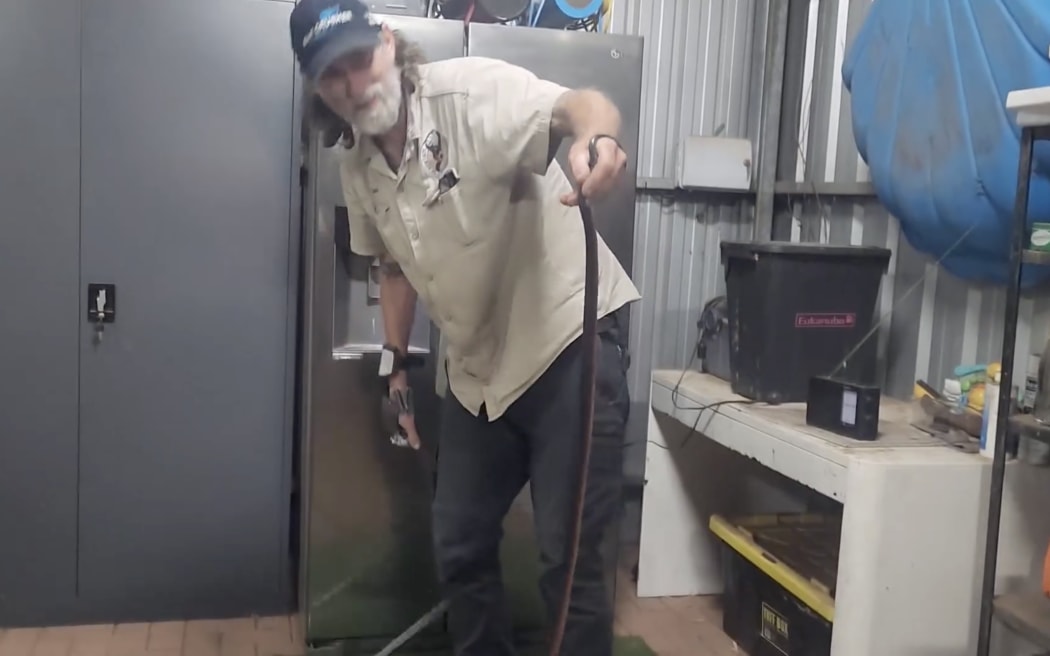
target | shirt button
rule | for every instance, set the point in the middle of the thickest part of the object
(413, 233)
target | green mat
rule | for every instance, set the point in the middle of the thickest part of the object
(624, 646)
(631, 646)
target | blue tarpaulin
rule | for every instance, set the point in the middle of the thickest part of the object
(928, 81)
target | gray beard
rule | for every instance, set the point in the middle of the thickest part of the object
(383, 117)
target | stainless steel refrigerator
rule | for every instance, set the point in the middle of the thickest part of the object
(366, 563)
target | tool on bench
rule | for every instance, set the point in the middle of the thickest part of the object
(589, 343)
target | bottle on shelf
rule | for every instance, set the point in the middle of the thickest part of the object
(1031, 384)
(1036, 452)
(990, 411)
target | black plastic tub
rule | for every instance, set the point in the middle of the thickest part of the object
(798, 311)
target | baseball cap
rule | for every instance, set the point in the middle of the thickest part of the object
(325, 30)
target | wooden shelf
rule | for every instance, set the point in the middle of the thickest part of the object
(1028, 614)
(1035, 257)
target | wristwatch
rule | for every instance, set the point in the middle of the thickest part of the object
(392, 361)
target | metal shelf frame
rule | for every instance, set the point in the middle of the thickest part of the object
(1018, 256)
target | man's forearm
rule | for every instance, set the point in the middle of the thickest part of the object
(397, 300)
(584, 113)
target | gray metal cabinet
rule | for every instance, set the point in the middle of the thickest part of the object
(147, 475)
(187, 180)
(39, 311)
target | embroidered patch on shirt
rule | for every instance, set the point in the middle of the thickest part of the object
(432, 155)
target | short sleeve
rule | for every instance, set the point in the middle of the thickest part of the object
(365, 239)
(509, 111)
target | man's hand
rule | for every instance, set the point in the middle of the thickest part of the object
(607, 172)
(399, 381)
(584, 113)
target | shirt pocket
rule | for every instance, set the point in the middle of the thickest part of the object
(460, 216)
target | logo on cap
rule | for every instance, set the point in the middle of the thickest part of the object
(328, 19)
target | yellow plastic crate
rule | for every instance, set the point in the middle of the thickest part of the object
(780, 573)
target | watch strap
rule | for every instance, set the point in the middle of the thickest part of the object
(392, 361)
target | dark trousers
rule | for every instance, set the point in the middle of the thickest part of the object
(483, 466)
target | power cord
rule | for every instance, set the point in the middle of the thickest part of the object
(699, 413)
(699, 409)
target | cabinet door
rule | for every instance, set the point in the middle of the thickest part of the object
(185, 402)
(39, 223)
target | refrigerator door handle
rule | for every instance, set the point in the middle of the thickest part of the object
(360, 351)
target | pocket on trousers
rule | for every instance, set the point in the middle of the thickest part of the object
(612, 402)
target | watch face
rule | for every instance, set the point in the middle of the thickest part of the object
(386, 362)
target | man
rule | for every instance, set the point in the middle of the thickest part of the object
(449, 177)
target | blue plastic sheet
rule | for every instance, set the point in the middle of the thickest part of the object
(928, 81)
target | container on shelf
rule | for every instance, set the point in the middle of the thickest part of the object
(798, 311)
(990, 419)
(1039, 239)
(1037, 452)
(780, 573)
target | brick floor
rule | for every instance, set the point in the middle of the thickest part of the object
(680, 626)
(263, 636)
(688, 626)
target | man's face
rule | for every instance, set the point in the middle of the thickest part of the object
(364, 87)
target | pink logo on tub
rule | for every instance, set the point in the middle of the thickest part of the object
(825, 320)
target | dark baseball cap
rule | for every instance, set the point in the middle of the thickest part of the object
(325, 30)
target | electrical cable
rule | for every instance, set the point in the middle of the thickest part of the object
(699, 409)
(691, 430)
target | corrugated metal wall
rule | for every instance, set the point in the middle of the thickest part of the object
(701, 75)
(932, 320)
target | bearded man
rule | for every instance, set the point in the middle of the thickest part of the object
(449, 178)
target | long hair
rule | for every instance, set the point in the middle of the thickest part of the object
(408, 56)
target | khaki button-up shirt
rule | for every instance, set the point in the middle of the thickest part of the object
(474, 218)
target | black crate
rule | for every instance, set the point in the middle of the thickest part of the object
(770, 608)
(798, 311)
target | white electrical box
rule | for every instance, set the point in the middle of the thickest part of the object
(714, 163)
